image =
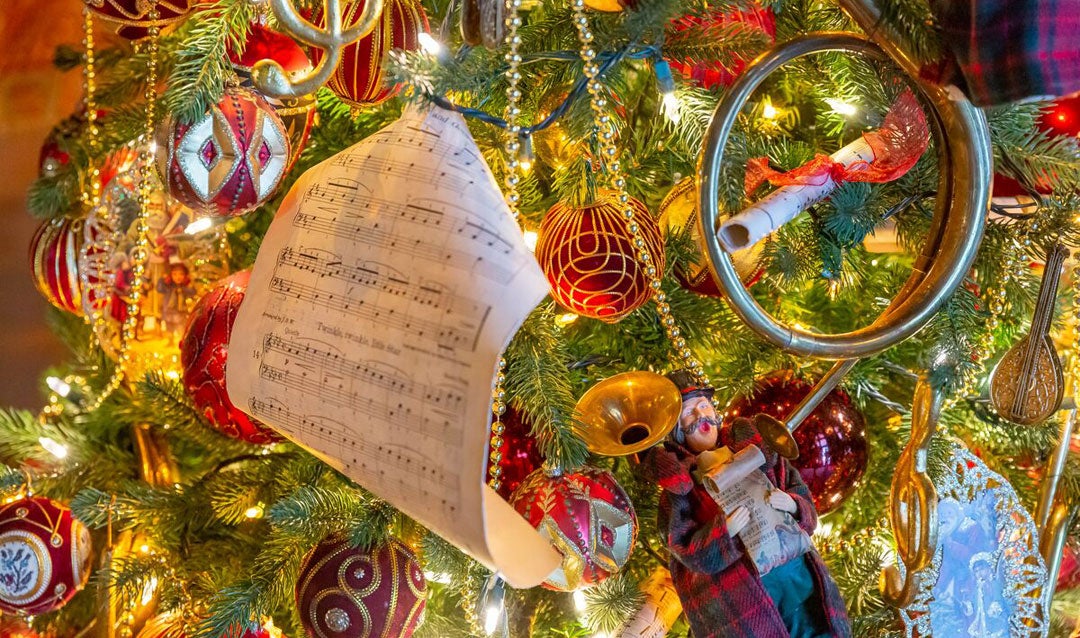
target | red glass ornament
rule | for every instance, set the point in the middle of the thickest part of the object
(1062, 117)
(297, 114)
(54, 259)
(590, 261)
(133, 17)
(359, 79)
(44, 556)
(204, 354)
(350, 591)
(832, 440)
(518, 455)
(587, 516)
(229, 161)
(713, 73)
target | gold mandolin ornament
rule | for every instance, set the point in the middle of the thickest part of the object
(1028, 384)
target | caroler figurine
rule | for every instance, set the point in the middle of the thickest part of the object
(738, 520)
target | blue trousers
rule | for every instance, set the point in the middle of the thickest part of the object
(791, 587)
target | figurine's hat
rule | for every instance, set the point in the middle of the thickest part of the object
(688, 384)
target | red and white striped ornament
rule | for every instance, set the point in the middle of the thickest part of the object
(54, 258)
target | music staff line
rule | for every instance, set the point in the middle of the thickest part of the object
(378, 277)
(355, 449)
(446, 400)
(446, 338)
(400, 416)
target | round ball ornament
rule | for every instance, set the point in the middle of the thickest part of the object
(678, 215)
(346, 591)
(587, 517)
(229, 161)
(133, 17)
(832, 440)
(54, 259)
(517, 457)
(297, 114)
(590, 259)
(44, 556)
(204, 354)
(359, 79)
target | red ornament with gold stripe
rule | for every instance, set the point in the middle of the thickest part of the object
(229, 161)
(297, 114)
(44, 556)
(587, 517)
(54, 258)
(590, 259)
(350, 591)
(133, 18)
(359, 79)
(204, 353)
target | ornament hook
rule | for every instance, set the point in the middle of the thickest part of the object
(271, 79)
(913, 502)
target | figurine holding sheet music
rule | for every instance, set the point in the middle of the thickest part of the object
(750, 571)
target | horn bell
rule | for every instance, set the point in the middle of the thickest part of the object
(627, 413)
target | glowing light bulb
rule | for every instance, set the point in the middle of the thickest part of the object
(671, 107)
(491, 619)
(59, 450)
(531, 237)
(768, 111)
(566, 319)
(579, 600)
(199, 225)
(843, 108)
(58, 385)
(255, 511)
(148, 590)
(429, 44)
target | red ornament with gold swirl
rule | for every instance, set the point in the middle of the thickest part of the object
(134, 18)
(590, 259)
(349, 591)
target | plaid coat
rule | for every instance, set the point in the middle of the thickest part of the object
(1013, 49)
(717, 581)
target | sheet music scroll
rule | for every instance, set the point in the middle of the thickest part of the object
(387, 286)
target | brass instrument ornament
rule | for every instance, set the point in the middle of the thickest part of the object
(1028, 384)
(628, 413)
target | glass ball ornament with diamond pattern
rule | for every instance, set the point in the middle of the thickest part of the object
(346, 591)
(587, 516)
(229, 161)
(591, 260)
(44, 556)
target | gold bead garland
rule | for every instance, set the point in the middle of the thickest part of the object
(604, 129)
(498, 408)
(141, 250)
(512, 139)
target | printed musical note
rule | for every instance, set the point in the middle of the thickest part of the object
(383, 293)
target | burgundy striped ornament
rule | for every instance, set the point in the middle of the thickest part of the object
(54, 258)
(359, 79)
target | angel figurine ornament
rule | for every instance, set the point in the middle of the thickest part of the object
(738, 520)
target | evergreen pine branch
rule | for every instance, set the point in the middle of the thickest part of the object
(537, 381)
(202, 68)
(609, 605)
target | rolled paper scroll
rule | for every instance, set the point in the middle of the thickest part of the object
(878, 156)
(661, 609)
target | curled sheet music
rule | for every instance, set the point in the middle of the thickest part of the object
(386, 288)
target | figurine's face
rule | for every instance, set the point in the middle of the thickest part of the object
(699, 424)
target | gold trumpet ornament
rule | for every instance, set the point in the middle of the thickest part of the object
(628, 413)
(1028, 384)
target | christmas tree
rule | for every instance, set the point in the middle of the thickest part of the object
(597, 124)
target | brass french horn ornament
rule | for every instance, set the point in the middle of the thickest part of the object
(628, 413)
